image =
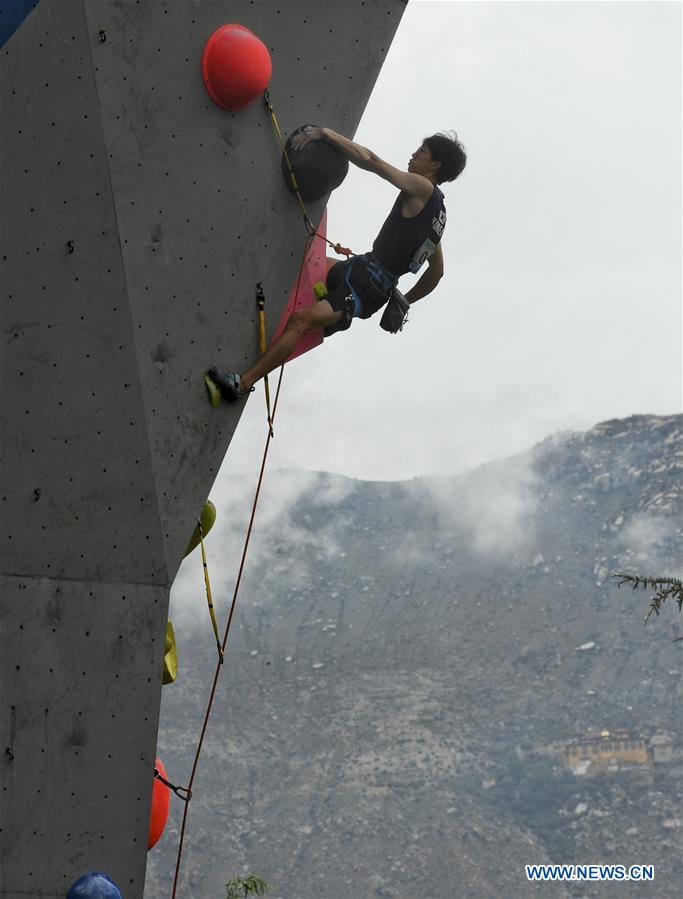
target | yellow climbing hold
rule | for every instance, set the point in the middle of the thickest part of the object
(214, 392)
(170, 656)
(320, 290)
(207, 520)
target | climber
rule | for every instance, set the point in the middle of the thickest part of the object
(359, 287)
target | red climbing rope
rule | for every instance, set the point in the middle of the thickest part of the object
(338, 248)
(219, 665)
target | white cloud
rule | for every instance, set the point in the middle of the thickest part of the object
(644, 536)
(281, 549)
(495, 507)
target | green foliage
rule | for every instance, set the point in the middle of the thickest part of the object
(665, 586)
(240, 887)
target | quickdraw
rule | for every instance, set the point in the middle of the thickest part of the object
(261, 304)
(209, 598)
(177, 790)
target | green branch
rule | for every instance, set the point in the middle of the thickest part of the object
(240, 887)
(666, 587)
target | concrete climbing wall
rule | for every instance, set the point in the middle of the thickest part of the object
(137, 219)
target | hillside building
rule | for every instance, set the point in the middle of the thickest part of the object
(606, 752)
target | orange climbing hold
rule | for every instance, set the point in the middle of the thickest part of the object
(161, 801)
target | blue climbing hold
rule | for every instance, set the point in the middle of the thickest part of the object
(94, 885)
(12, 14)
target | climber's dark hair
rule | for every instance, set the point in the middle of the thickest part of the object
(446, 149)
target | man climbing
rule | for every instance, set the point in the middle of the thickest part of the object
(359, 287)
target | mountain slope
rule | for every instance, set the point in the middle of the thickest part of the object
(397, 645)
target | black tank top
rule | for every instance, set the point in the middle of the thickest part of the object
(402, 244)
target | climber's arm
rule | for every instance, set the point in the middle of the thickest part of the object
(430, 278)
(411, 184)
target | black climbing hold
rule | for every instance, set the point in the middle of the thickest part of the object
(70, 246)
(103, 35)
(318, 167)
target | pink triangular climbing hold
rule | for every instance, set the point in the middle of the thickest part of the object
(314, 270)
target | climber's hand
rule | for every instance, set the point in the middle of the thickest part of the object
(310, 132)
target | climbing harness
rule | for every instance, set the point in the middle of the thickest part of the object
(310, 227)
(261, 304)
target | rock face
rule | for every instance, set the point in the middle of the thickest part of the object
(398, 647)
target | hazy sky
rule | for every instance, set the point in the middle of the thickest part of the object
(560, 305)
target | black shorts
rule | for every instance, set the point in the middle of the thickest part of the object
(357, 288)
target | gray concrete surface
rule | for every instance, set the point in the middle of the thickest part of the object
(137, 219)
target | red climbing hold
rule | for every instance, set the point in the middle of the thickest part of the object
(236, 66)
(161, 801)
